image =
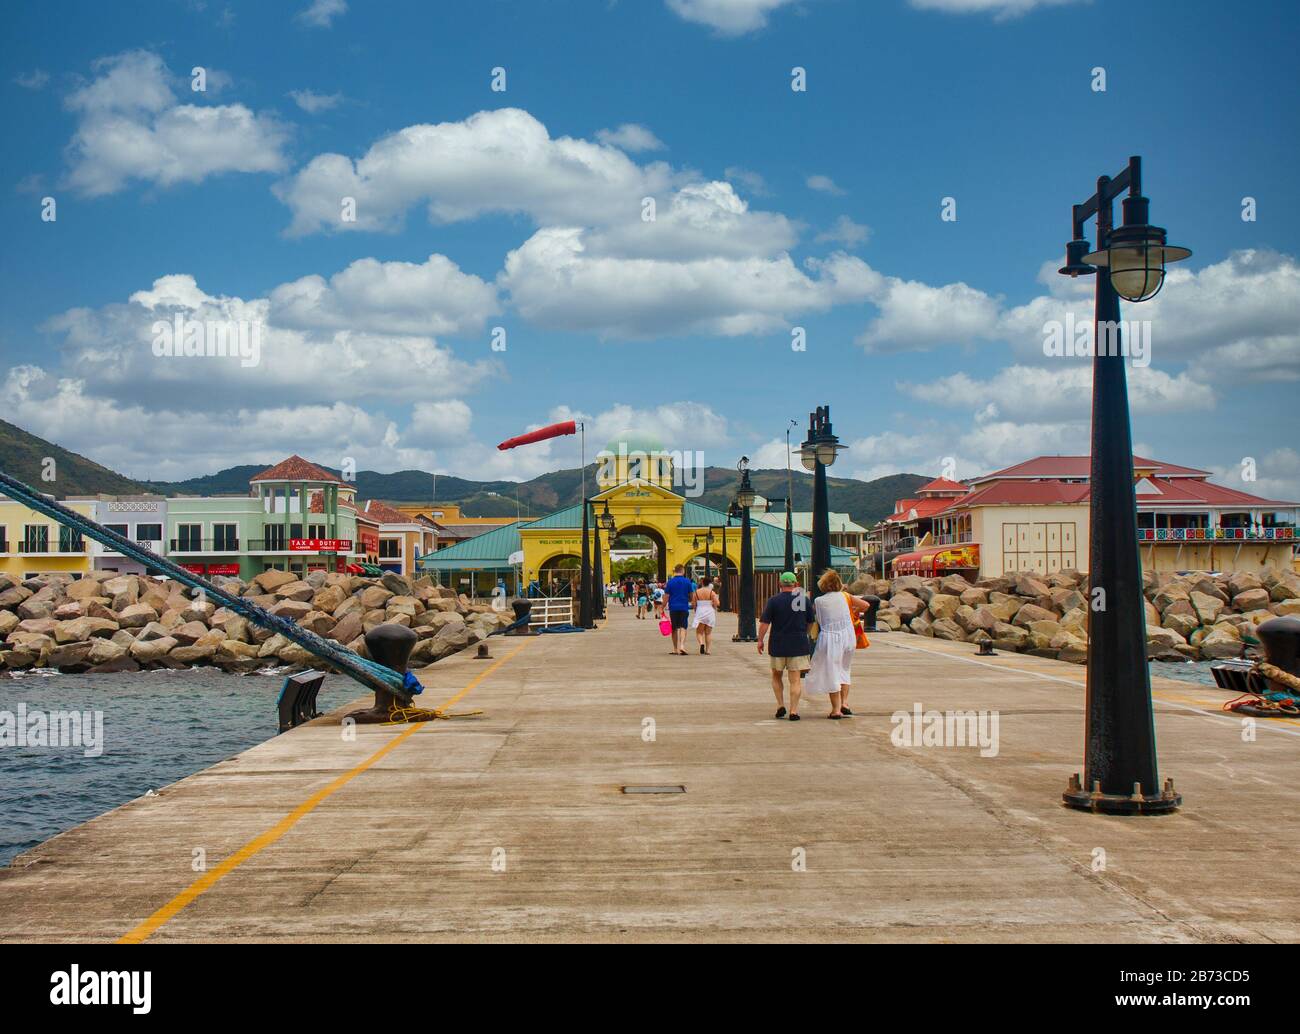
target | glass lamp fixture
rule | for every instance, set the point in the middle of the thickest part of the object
(1136, 254)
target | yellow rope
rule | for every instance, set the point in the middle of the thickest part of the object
(1272, 671)
(401, 715)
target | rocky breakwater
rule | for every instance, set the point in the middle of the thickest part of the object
(106, 622)
(1194, 616)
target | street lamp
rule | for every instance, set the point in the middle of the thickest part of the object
(1120, 770)
(817, 453)
(789, 530)
(745, 630)
(708, 544)
(586, 617)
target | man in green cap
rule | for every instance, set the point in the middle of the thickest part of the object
(787, 615)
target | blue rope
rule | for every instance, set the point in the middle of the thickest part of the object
(369, 673)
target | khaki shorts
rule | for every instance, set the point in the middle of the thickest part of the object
(791, 663)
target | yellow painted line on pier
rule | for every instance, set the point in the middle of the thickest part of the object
(230, 864)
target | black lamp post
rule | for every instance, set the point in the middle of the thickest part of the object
(817, 453)
(746, 632)
(1120, 770)
(789, 531)
(585, 615)
(708, 544)
(606, 521)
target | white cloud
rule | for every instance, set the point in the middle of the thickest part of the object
(750, 180)
(320, 14)
(429, 298)
(918, 316)
(36, 79)
(1000, 9)
(501, 161)
(824, 184)
(679, 425)
(1276, 475)
(727, 17)
(1063, 389)
(313, 103)
(130, 127)
(340, 335)
(1237, 320)
(555, 282)
(845, 231)
(630, 137)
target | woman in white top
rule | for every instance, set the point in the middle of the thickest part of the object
(704, 600)
(832, 658)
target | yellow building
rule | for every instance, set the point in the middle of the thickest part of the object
(31, 543)
(548, 550)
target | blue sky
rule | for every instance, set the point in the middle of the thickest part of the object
(523, 209)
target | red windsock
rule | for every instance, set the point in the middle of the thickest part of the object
(541, 434)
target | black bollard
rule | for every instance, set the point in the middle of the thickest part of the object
(1281, 640)
(391, 646)
(869, 618)
(523, 610)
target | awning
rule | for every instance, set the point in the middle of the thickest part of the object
(938, 558)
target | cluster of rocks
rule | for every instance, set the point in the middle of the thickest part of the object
(105, 622)
(1195, 616)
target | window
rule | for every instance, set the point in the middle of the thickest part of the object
(4, 539)
(36, 538)
(148, 532)
(315, 531)
(122, 529)
(189, 537)
(390, 549)
(70, 540)
(295, 531)
(225, 538)
(274, 537)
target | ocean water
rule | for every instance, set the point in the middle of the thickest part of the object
(158, 726)
(1185, 671)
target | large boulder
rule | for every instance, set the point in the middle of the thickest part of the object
(198, 610)
(1251, 599)
(1242, 581)
(199, 651)
(946, 628)
(906, 605)
(81, 629)
(350, 605)
(1169, 595)
(973, 619)
(137, 615)
(1031, 612)
(71, 657)
(84, 588)
(1009, 637)
(346, 628)
(295, 610)
(396, 584)
(149, 651)
(943, 605)
(317, 621)
(8, 622)
(40, 626)
(328, 599)
(272, 646)
(1207, 607)
(188, 632)
(1069, 648)
(922, 625)
(375, 596)
(269, 581)
(1162, 643)
(974, 596)
(1028, 585)
(1183, 624)
(1218, 646)
(301, 592)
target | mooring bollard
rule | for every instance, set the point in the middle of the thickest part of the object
(523, 611)
(869, 618)
(391, 646)
(1281, 640)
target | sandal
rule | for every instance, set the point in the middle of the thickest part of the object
(846, 712)
(835, 717)
(794, 718)
(780, 712)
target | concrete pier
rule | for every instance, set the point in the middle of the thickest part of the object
(513, 825)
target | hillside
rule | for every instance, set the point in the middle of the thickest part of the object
(21, 454)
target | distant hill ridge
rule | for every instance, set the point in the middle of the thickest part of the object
(21, 454)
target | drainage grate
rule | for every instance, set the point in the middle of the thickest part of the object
(654, 789)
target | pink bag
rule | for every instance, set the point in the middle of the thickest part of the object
(666, 627)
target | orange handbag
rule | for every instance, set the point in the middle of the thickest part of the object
(861, 641)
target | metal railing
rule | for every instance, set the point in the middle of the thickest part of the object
(77, 545)
(203, 546)
(1216, 534)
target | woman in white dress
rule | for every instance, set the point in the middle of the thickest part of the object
(704, 600)
(832, 658)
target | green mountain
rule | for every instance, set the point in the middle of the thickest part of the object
(24, 457)
(21, 454)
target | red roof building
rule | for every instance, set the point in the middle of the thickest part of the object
(1033, 516)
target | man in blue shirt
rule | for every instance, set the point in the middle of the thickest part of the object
(678, 591)
(787, 616)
